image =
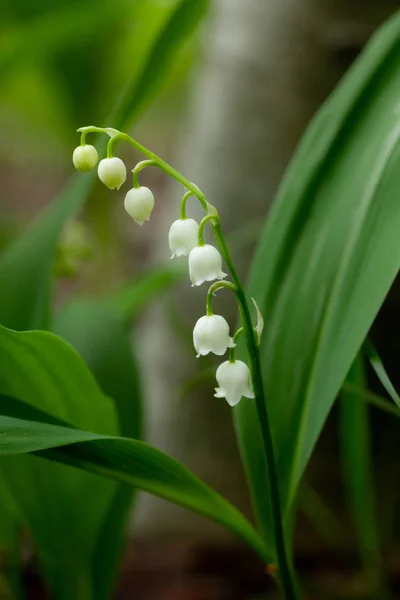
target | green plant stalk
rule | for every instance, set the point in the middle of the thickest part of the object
(285, 570)
(286, 574)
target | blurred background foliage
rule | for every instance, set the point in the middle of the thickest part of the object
(65, 64)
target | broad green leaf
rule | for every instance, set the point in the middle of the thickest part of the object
(357, 470)
(45, 372)
(98, 331)
(327, 257)
(125, 460)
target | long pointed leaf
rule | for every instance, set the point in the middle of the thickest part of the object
(327, 258)
(125, 460)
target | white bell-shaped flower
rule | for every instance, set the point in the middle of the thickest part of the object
(112, 172)
(85, 158)
(183, 236)
(139, 203)
(234, 382)
(205, 264)
(211, 334)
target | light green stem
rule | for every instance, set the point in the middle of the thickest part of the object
(139, 167)
(231, 354)
(218, 285)
(183, 205)
(210, 217)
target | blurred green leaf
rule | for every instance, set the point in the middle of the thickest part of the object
(374, 399)
(26, 266)
(357, 470)
(54, 29)
(181, 23)
(45, 372)
(134, 297)
(326, 260)
(322, 518)
(10, 557)
(125, 460)
(380, 371)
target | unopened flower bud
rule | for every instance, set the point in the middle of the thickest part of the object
(139, 202)
(211, 334)
(205, 264)
(234, 382)
(112, 172)
(85, 158)
(182, 236)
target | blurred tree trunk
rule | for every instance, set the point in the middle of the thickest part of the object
(268, 65)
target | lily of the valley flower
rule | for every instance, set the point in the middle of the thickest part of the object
(139, 203)
(85, 158)
(234, 382)
(211, 334)
(205, 264)
(182, 237)
(112, 172)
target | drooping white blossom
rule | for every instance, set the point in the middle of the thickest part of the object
(182, 237)
(85, 158)
(205, 264)
(211, 334)
(139, 203)
(234, 381)
(112, 172)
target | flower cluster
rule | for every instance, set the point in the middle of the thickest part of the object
(211, 332)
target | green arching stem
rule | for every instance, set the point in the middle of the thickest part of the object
(218, 285)
(210, 217)
(85, 130)
(139, 167)
(164, 166)
(183, 205)
(286, 574)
